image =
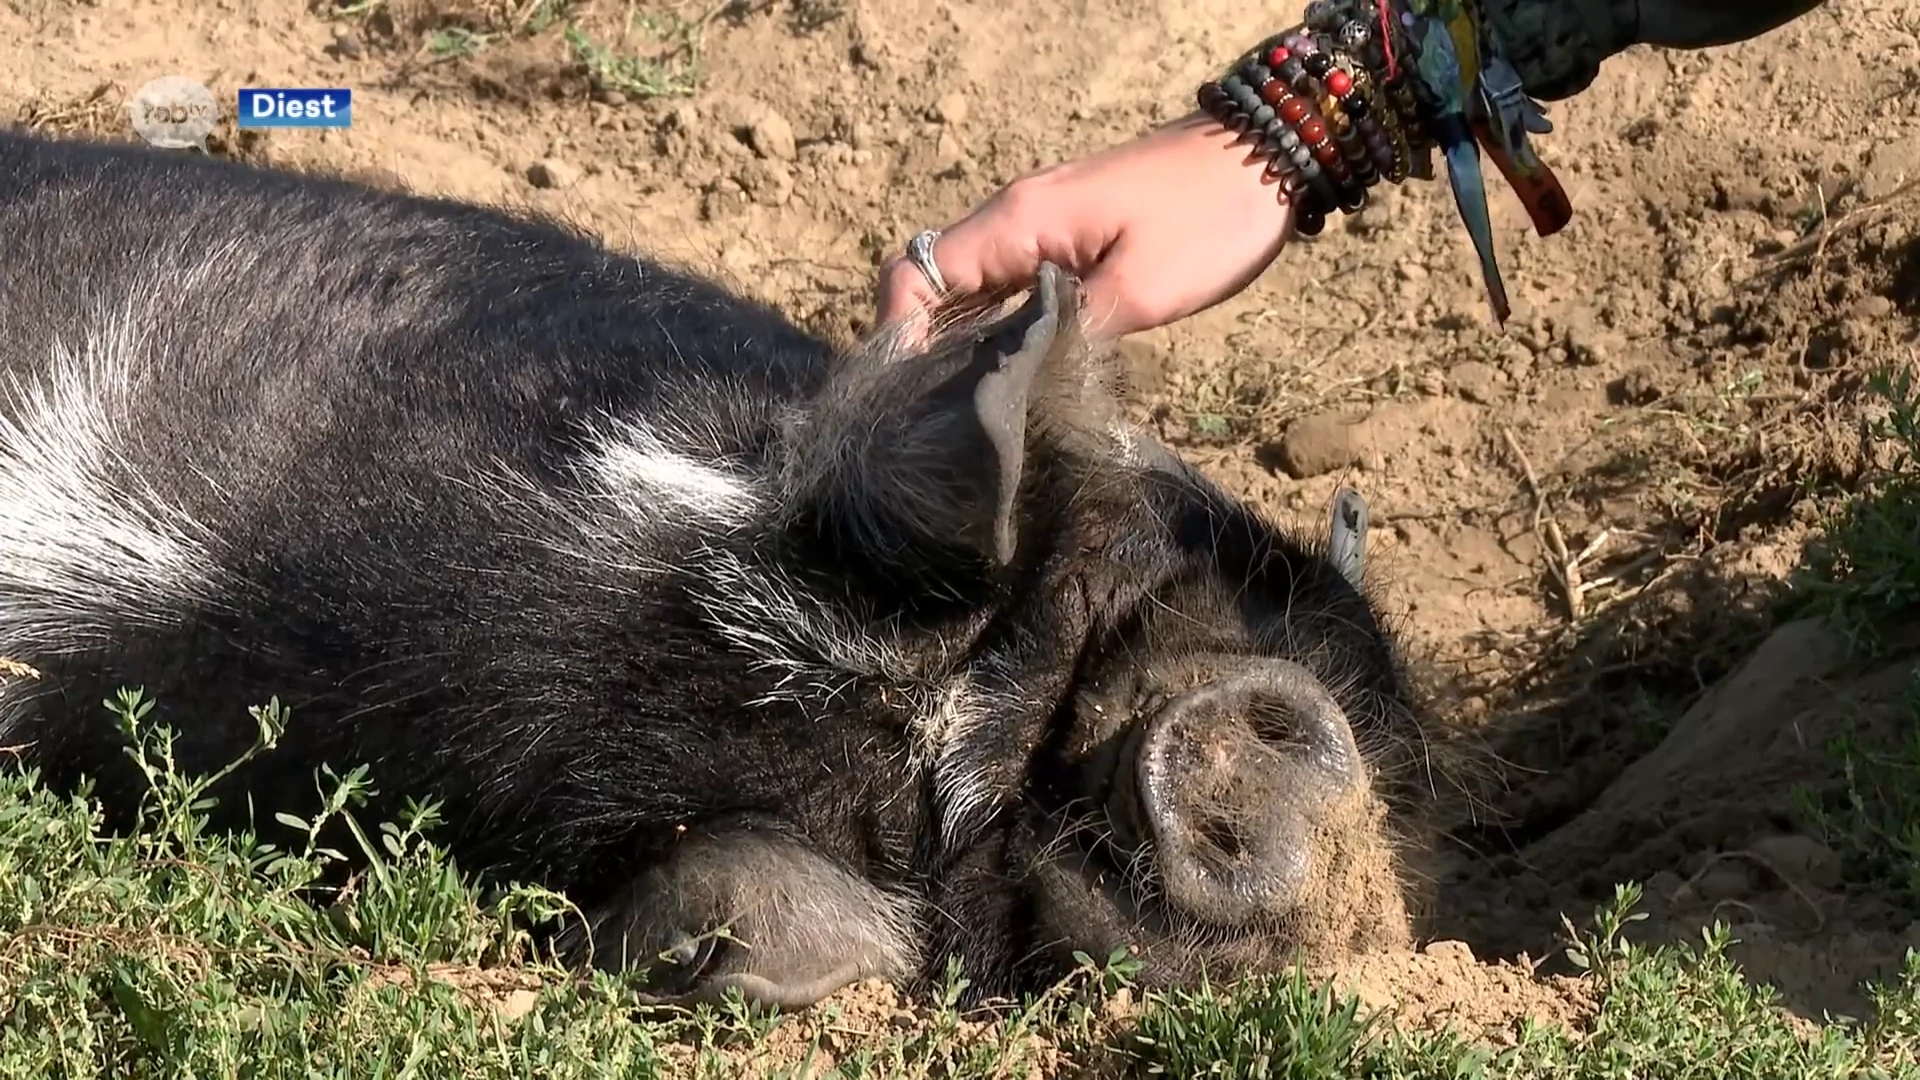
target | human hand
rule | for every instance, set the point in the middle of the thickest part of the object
(1157, 229)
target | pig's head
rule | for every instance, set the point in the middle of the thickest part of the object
(1130, 711)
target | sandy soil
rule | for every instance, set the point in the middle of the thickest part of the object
(1679, 382)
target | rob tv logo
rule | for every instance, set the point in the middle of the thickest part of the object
(296, 107)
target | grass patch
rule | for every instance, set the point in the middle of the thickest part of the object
(178, 951)
(1865, 574)
(1864, 578)
(640, 53)
(1671, 1013)
(671, 69)
(1872, 818)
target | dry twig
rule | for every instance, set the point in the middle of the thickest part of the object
(1815, 245)
(1565, 568)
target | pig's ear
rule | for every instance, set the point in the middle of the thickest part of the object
(913, 466)
(1004, 373)
(1347, 535)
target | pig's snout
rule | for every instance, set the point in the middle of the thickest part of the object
(1231, 780)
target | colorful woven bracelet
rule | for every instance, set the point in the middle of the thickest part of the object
(1363, 91)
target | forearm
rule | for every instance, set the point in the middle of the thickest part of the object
(1559, 45)
(1699, 24)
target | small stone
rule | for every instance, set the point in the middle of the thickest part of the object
(1516, 359)
(1317, 445)
(727, 146)
(552, 173)
(771, 136)
(1799, 859)
(1413, 282)
(860, 135)
(1376, 219)
(1641, 386)
(345, 45)
(950, 109)
(768, 183)
(1458, 951)
(1889, 164)
(1586, 347)
(518, 1003)
(1726, 881)
(1476, 382)
(1741, 191)
(684, 117)
(610, 97)
(1872, 308)
(723, 200)
(1664, 884)
(1532, 334)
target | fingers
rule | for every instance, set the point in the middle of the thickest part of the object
(1156, 230)
(994, 251)
(906, 298)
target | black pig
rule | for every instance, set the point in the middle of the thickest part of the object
(878, 658)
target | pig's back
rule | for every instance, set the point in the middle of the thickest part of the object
(269, 435)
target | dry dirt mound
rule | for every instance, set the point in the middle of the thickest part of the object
(1706, 822)
(1580, 519)
(1444, 984)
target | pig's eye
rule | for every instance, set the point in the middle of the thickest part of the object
(684, 965)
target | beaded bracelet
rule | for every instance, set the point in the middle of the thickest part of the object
(1363, 91)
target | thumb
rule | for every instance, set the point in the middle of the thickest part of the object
(903, 290)
(1110, 305)
(995, 250)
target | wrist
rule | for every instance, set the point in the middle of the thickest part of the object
(1329, 108)
(1557, 48)
(1209, 146)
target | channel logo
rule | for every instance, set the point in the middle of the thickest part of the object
(296, 107)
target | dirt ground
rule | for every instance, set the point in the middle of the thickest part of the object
(1677, 387)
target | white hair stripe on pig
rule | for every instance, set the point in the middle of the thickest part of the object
(85, 545)
(961, 791)
(961, 735)
(782, 625)
(632, 462)
(817, 650)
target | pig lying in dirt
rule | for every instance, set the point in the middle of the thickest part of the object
(876, 659)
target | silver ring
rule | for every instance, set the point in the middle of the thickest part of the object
(920, 250)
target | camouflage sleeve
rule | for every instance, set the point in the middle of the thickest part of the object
(1557, 46)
